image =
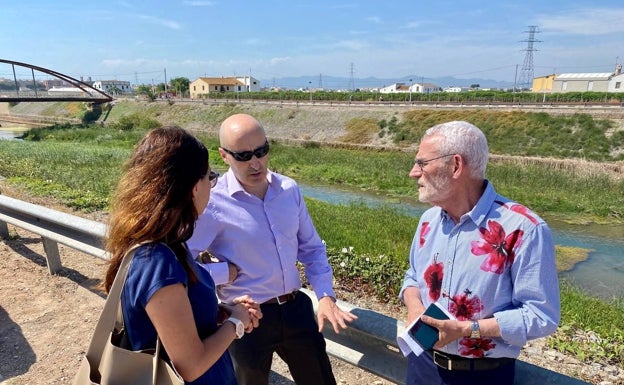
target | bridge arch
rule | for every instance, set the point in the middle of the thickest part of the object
(81, 91)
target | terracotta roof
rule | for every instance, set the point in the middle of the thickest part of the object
(219, 81)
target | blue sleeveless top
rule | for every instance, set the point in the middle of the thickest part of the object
(155, 266)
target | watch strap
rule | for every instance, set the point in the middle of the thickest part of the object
(475, 331)
(239, 327)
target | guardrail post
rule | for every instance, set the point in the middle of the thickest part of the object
(4, 230)
(53, 257)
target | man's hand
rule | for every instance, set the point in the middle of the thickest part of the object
(448, 330)
(328, 310)
(254, 311)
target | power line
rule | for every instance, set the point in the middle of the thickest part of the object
(351, 86)
(526, 72)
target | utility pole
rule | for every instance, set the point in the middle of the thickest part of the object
(410, 89)
(165, 81)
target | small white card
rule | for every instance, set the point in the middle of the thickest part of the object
(419, 336)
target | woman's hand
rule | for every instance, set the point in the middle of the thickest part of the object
(250, 307)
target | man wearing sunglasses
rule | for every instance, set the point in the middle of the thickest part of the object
(257, 225)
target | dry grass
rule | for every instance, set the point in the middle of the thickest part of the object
(614, 170)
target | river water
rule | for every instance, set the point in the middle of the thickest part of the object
(601, 275)
(11, 132)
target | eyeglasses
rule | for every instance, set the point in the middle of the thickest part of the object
(213, 177)
(244, 156)
(423, 163)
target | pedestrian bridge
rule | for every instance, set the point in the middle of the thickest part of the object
(22, 82)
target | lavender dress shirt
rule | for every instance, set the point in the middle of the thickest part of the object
(265, 239)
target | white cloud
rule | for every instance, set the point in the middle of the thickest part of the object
(198, 3)
(374, 19)
(165, 23)
(412, 25)
(597, 21)
(254, 41)
(279, 60)
(352, 45)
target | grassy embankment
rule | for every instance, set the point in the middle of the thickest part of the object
(80, 168)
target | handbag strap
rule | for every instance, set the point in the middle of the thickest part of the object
(108, 317)
(112, 316)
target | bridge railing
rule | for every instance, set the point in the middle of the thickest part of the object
(369, 343)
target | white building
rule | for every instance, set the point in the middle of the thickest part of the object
(113, 86)
(616, 83)
(456, 89)
(424, 88)
(251, 84)
(66, 91)
(582, 82)
(416, 88)
(394, 88)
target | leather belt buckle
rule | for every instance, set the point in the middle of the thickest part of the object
(442, 361)
(282, 299)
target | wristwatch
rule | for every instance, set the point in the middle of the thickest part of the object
(238, 324)
(475, 332)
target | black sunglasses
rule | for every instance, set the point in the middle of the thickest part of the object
(244, 156)
(212, 177)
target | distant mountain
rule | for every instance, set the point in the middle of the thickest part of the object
(343, 83)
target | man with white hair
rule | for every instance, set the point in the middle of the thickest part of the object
(489, 261)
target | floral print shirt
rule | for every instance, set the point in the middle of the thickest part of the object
(498, 261)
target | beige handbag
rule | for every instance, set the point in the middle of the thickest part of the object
(107, 362)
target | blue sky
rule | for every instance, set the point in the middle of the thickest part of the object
(271, 39)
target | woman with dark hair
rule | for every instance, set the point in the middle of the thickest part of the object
(166, 186)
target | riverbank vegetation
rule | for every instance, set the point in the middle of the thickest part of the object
(367, 246)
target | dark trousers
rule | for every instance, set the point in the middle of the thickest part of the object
(290, 330)
(422, 370)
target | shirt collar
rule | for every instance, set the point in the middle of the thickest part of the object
(233, 186)
(480, 211)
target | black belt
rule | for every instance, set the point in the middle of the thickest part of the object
(453, 362)
(282, 298)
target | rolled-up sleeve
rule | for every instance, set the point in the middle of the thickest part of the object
(536, 298)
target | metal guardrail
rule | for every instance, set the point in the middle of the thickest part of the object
(369, 343)
(54, 227)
